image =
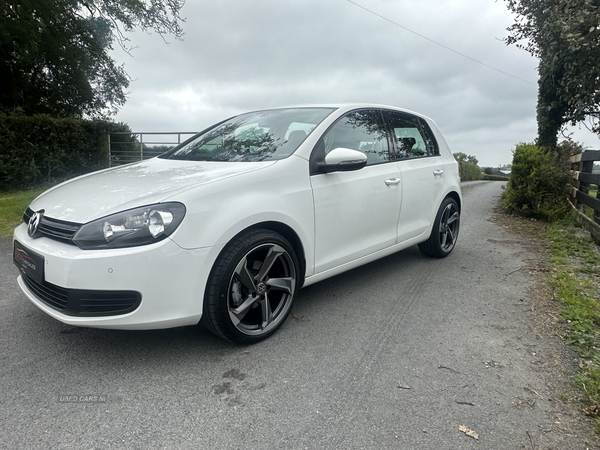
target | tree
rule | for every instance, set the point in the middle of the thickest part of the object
(565, 36)
(54, 54)
(469, 171)
(463, 157)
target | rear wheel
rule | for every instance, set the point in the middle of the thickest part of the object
(445, 230)
(251, 287)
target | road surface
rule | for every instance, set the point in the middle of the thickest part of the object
(398, 354)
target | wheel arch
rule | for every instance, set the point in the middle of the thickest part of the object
(291, 236)
(454, 195)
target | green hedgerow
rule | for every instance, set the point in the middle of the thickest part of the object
(537, 186)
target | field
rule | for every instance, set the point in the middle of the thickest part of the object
(12, 206)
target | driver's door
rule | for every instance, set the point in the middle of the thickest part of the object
(356, 212)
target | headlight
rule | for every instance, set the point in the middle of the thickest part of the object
(139, 226)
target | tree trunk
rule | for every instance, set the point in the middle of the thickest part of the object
(551, 109)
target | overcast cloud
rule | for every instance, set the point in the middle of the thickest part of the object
(242, 55)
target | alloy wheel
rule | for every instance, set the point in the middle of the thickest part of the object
(261, 289)
(449, 227)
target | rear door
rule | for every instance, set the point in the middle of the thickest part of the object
(420, 164)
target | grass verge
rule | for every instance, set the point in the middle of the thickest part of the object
(589, 211)
(576, 283)
(12, 206)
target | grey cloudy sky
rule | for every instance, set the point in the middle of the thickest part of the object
(242, 55)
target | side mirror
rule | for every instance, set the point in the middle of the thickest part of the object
(343, 160)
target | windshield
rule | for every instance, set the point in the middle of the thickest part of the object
(256, 136)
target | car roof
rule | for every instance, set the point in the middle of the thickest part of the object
(345, 107)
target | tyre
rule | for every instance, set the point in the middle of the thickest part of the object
(251, 287)
(444, 232)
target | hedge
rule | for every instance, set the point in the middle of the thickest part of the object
(469, 171)
(494, 177)
(41, 148)
(537, 186)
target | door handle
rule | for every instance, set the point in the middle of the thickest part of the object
(438, 173)
(392, 182)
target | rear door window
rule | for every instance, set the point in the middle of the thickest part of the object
(412, 136)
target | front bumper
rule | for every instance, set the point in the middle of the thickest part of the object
(170, 282)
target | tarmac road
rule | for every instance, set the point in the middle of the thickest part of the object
(397, 354)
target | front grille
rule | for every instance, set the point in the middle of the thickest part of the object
(84, 303)
(59, 230)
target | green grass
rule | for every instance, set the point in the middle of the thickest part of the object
(12, 206)
(576, 283)
(589, 211)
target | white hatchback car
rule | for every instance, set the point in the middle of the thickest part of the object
(226, 227)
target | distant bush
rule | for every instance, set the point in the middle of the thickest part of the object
(469, 171)
(160, 149)
(494, 177)
(537, 186)
(41, 148)
(155, 150)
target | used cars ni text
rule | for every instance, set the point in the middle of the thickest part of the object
(226, 227)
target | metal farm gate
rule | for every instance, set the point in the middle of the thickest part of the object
(125, 147)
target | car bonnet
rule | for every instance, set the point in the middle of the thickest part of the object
(110, 191)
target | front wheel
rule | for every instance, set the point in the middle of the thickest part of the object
(251, 287)
(444, 232)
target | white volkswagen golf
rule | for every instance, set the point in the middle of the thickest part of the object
(226, 227)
